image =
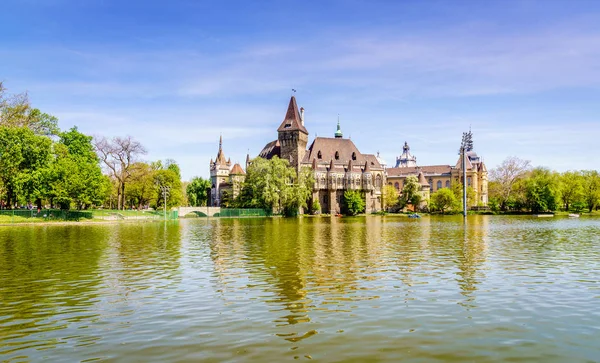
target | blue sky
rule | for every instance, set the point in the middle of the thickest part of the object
(524, 75)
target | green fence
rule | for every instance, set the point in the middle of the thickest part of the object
(32, 216)
(232, 212)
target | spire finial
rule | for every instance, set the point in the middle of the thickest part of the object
(338, 133)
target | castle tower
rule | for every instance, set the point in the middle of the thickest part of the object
(292, 135)
(219, 174)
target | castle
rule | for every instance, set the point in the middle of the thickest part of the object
(338, 166)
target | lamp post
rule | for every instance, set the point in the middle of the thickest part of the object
(165, 190)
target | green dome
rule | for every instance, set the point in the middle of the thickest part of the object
(338, 133)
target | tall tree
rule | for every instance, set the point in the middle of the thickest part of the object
(571, 188)
(196, 191)
(591, 188)
(390, 197)
(119, 154)
(542, 190)
(141, 189)
(411, 192)
(23, 158)
(505, 176)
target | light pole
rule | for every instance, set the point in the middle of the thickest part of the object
(165, 190)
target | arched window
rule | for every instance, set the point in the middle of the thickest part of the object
(430, 183)
(439, 184)
(378, 181)
(469, 181)
(353, 156)
(447, 183)
(337, 155)
(319, 154)
(397, 186)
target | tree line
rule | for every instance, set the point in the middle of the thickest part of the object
(514, 187)
(42, 166)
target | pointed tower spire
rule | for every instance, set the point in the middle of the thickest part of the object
(292, 120)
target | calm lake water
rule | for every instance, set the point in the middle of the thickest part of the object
(365, 289)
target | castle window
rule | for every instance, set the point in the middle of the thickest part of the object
(447, 183)
(337, 155)
(439, 184)
(319, 154)
(430, 183)
(397, 186)
(353, 156)
(469, 181)
(378, 181)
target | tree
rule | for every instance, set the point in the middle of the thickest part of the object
(274, 185)
(457, 189)
(390, 197)
(591, 188)
(141, 189)
(354, 202)
(571, 188)
(169, 178)
(23, 158)
(505, 176)
(196, 191)
(443, 200)
(16, 111)
(119, 154)
(541, 190)
(411, 192)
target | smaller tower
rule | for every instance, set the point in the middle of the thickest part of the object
(338, 133)
(406, 159)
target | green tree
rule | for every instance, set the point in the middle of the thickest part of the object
(196, 191)
(24, 157)
(541, 190)
(167, 178)
(141, 189)
(390, 197)
(457, 189)
(443, 200)
(411, 192)
(354, 202)
(571, 188)
(591, 188)
(274, 185)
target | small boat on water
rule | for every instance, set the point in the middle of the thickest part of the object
(414, 216)
(543, 215)
(572, 215)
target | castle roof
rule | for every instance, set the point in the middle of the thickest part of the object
(220, 161)
(237, 170)
(292, 120)
(325, 148)
(426, 170)
(271, 149)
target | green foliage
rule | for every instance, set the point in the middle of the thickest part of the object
(24, 158)
(354, 202)
(390, 197)
(411, 192)
(541, 190)
(571, 189)
(443, 200)
(167, 178)
(141, 189)
(504, 181)
(591, 189)
(457, 189)
(196, 191)
(316, 207)
(273, 185)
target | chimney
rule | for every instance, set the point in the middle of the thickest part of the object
(302, 115)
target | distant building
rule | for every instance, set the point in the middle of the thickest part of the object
(435, 177)
(226, 180)
(337, 163)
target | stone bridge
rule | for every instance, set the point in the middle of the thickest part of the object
(199, 211)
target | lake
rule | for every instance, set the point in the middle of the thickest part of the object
(363, 289)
